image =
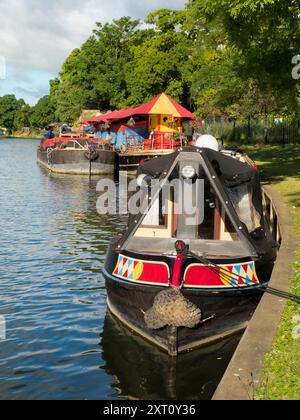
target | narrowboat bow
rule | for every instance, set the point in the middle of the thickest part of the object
(183, 285)
(77, 156)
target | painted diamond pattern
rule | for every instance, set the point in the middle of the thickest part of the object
(130, 269)
(142, 271)
(246, 272)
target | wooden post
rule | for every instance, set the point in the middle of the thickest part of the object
(283, 135)
(249, 135)
(171, 378)
(173, 341)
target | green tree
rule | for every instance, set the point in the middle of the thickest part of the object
(158, 62)
(218, 57)
(43, 113)
(266, 35)
(9, 107)
(94, 75)
(54, 96)
(212, 69)
(23, 117)
(113, 51)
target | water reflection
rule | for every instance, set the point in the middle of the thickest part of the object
(144, 372)
(52, 294)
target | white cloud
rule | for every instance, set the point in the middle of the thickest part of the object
(27, 84)
(36, 36)
(39, 35)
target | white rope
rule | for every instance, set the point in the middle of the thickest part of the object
(49, 153)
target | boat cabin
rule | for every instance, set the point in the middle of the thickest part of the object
(225, 198)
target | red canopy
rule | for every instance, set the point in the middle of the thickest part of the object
(109, 116)
(162, 104)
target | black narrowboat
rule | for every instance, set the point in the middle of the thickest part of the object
(180, 284)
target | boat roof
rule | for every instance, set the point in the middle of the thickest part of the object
(232, 169)
(161, 104)
(223, 172)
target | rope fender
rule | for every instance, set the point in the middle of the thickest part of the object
(91, 154)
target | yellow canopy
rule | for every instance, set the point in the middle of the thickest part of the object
(164, 106)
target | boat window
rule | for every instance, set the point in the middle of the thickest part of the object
(216, 224)
(158, 222)
(157, 215)
(163, 220)
(242, 200)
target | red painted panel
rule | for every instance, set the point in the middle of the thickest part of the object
(233, 275)
(141, 271)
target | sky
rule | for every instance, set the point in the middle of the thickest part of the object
(36, 36)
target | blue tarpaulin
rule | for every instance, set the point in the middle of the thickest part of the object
(102, 134)
(129, 136)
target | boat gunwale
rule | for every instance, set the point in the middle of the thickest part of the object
(195, 289)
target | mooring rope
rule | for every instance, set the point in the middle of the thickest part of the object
(227, 276)
(49, 153)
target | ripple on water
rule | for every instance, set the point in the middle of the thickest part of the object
(60, 343)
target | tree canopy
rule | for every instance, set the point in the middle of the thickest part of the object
(266, 35)
(216, 57)
(9, 108)
(15, 114)
(212, 56)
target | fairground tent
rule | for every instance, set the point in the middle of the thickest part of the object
(161, 105)
(162, 116)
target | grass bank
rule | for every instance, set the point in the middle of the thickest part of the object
(21, 135)
(281, 377)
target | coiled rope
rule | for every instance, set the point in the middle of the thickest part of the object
(49, 153)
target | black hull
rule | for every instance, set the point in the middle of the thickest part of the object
(231, 312)
(75, 162)
(222, 276)
(155, 376)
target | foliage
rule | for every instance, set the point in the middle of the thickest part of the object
(16, 114)
(217, 57)
(9, 107)
(157, 64)
(93, 76)
(42, 113)
(267, 35)
(23, 117)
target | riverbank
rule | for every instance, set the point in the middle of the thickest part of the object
(32, 136)
(281, 376)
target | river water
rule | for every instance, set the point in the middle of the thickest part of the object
(60, 341)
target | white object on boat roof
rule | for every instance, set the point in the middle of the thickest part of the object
(208, 142)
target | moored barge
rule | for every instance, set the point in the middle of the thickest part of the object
(78, 156)
(183, 285)
(155, 129)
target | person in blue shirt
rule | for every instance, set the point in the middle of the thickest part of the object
(49, 134)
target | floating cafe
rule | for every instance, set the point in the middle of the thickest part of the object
(121, 140)
(178, 285)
